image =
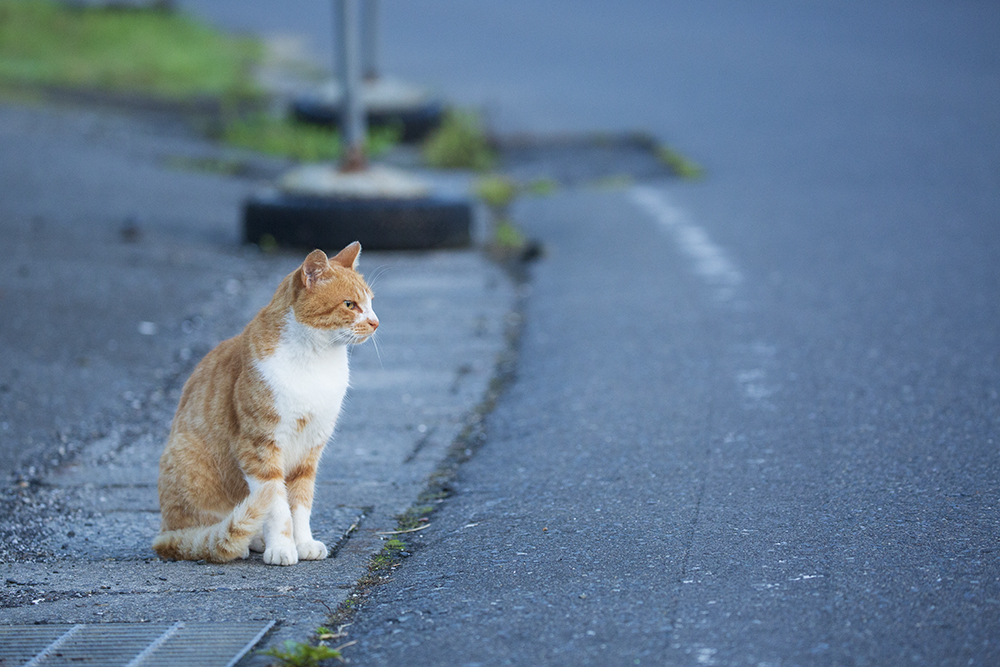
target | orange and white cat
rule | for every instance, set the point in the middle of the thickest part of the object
(239, 467)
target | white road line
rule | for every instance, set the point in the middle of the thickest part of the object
(710, 262)
(721, 274)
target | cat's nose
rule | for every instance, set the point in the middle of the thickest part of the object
(374, 322)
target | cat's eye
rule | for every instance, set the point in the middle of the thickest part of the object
(350, 305)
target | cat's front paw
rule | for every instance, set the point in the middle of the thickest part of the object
(281, 554)
(312, 550)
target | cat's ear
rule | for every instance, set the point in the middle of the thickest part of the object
(314, 267)
(348, 257)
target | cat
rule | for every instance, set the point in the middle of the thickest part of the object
(239, 467)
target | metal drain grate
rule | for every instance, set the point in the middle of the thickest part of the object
(129, 644)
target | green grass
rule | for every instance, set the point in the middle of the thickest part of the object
(499, 192)
(508, 236)
(542, 187)
(395, 545)
(460, 143)
(300, 141)
(679, 164)
(297, 654)
(157, 53)
(613, 182)
(496, 191)
(264, 134)
(414, 517)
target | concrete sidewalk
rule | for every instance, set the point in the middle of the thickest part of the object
(119, 271)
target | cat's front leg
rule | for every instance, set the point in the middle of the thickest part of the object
(300, 485)
(305, 545)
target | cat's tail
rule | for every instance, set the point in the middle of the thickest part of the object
(224, 541)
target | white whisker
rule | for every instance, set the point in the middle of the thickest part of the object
(378, 352)
(377, 274)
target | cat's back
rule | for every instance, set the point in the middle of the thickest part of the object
(216, 372)
(218, 390)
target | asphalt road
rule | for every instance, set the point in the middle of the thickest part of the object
(99, 238)
(756, 418)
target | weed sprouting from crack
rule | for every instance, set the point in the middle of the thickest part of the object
(301, 654)
(298, 654)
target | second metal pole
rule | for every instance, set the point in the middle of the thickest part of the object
(353, 125)
(369, 46)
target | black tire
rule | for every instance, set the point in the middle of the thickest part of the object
(379, 224)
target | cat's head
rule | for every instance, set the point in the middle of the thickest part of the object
(331, 295)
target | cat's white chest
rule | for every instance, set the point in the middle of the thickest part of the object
(308, 384)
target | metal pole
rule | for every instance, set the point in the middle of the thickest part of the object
(353, 126)
(369, 44)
